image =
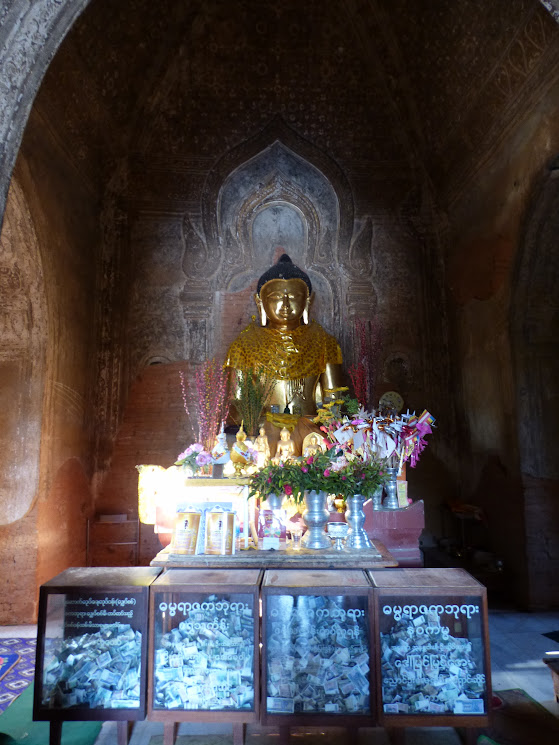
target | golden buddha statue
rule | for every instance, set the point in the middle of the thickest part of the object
(240, 456)
(305, 361)
(312, 444)
(286, 447)
(262, 445)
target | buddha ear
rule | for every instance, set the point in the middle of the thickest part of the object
(308, 304)
(260, 306)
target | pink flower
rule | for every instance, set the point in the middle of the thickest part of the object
(269, 479)
(327, 472)
(310, 459)
(363, 477)
(344, 478)
(304, 469)
(288, 490)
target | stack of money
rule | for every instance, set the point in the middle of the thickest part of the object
(99, 670)
(426, 670)
(317, 655)
(206, 660)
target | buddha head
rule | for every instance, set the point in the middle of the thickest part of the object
(283, 295)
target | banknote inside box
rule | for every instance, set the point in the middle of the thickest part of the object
(317, 654)
(204, 652)
(93, 653)
(432, 655)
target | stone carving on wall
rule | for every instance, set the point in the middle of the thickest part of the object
(30, 35)
(23, 339)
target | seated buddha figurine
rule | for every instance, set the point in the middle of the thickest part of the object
(286, 448)
(303, 359)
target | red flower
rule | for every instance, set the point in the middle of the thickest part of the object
(288, 490)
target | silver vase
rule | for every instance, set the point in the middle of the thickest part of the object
(316, 516)
(377, 498)
(391, 488)
(274, 501)
(357, 539)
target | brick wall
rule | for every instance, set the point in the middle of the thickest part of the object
(154, 430)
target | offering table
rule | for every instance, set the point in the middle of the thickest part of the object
(376, 558)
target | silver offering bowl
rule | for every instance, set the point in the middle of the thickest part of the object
(337, 532)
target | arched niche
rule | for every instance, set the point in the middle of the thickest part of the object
(277, 190)
(23, 341)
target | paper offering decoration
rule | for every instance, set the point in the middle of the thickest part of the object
(317, 654)
(432, 659)
(205, 661)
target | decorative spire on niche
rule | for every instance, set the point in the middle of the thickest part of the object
(198, 262)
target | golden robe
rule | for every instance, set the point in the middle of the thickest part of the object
(284, 355)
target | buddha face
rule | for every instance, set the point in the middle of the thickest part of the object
(284, 301)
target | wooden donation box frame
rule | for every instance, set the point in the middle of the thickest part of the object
(92, 640)
(307, 679)
(432, 648)
(204, 636)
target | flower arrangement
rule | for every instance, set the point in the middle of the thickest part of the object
(194, 458)
(254, 390)
(213, 398)
(364, 372)
(332, 471)
(295, 476)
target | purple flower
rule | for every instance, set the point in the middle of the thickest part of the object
(195, 448)
(203, 459)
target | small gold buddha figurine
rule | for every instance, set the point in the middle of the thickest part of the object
(312, 444)
(298, 354)
(262, 445)
(239, 452)
(285, 449)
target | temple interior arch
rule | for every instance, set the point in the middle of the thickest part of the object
(158, 157)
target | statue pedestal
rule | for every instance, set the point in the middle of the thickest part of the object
(399, 530)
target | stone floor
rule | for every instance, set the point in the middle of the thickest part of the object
(517, 647)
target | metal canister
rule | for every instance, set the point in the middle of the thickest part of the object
(187, 525)
(220, 532)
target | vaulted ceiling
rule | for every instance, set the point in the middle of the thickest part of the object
(393, 90)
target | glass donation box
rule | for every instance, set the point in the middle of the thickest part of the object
(433, 660)
(92, 644)
(204, 646)
(316, 648)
